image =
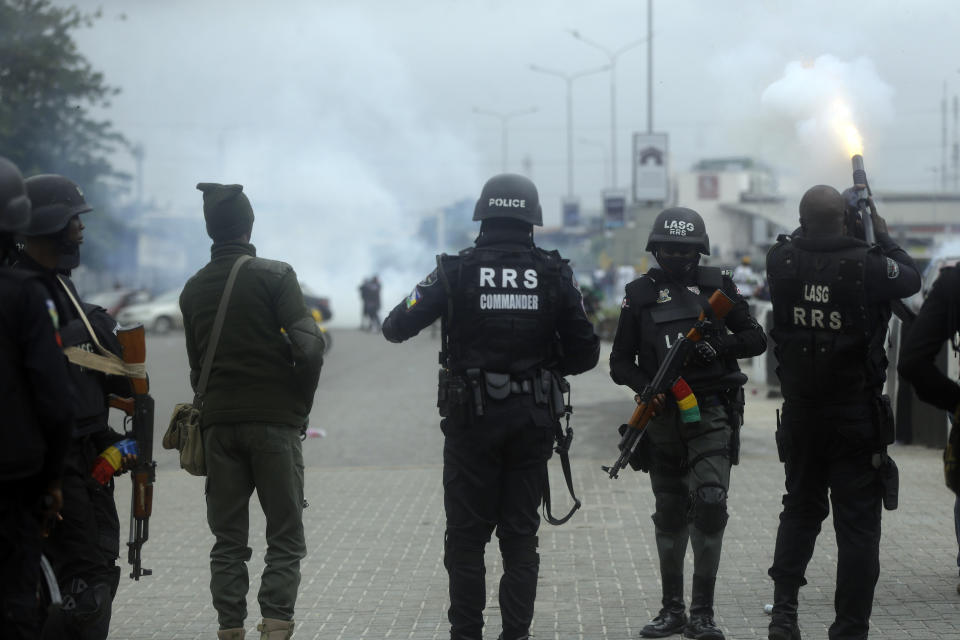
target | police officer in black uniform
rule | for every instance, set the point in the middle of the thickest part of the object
(513, 323)
(38, 418)
(937, 322)
(689, 463)
(84, 545)
(831, 296)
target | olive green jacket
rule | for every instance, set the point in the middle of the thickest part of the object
(259, 373)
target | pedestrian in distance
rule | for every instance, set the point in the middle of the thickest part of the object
(84, 544)
(831, 295)
(689, 462)
(265, 370)
(512, 324)
(370, 292)
(38, 418)
(937, 322)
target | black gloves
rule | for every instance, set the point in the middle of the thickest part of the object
(704, 352)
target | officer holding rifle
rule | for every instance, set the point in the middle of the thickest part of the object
(688, 459)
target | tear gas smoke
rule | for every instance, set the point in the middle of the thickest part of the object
(828, 102)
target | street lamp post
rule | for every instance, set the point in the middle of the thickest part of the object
(504, 117)
(603, 154)
(569, 78)
(612, 55)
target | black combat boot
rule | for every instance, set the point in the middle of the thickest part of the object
(672, 616)
(783, 621)
(701, 625)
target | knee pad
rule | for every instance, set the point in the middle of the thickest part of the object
(710, 508)
(671, 514)
(519, 551)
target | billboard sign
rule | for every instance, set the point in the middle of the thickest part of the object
(614, 208)
(571, 211)
(650, 179)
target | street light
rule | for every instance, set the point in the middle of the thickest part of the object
(569, 78)
(603, 154)
(613, 55)
(504, 116)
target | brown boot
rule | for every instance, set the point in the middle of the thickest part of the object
(273, 629)
(230, 634)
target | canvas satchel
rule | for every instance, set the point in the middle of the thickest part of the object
(184, 433)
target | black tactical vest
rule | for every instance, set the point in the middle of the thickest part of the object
(21, 440)
(673, 309)
(829, 342)
(90, 401)
(502, 316)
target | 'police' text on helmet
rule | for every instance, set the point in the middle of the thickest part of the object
(509, 196)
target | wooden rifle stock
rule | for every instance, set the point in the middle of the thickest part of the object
(140, 409)
(666, 375)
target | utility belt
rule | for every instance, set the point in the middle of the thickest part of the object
(473, 389)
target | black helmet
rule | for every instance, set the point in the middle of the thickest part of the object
(509, 196)
(55, 201)
(679, 225)
(14, 203)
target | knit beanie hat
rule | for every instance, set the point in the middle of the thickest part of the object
(226, 210)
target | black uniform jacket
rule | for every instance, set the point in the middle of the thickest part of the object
(35, 389)
(937, 322)
(635, 358)
(580, 347)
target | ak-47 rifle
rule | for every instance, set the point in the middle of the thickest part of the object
(139, 410)
(667, 377)
(862, 190)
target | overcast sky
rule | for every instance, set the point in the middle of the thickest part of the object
(345, 118)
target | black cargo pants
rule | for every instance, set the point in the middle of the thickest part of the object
(827, 451)
(494, 468)
(83, 549)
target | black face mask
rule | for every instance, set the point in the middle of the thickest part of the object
(679, 267)
(69, 259)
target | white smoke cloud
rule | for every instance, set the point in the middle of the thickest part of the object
(813, 96)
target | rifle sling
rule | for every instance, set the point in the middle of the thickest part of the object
(563, 450)
(215, 333)
(106, 361)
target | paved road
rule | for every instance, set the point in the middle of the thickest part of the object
(375, 523)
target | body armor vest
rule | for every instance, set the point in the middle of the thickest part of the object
(502, 316)
(673, 308)
(829, 342)
(21, 440)
(90, 401)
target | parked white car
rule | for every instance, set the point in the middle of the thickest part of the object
(160, 314)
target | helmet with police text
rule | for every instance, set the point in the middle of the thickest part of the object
(509, 195)
(14, 202)
(679, 225)
(55, 201)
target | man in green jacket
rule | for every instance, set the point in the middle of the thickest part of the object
(262, 382)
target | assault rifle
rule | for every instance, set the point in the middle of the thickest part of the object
(667, 376)
(139, 412)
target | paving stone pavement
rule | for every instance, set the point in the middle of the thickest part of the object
(375, 532)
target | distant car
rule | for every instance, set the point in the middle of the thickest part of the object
(116, 299)
(159, 315)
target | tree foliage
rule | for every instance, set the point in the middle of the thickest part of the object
(48, 94)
